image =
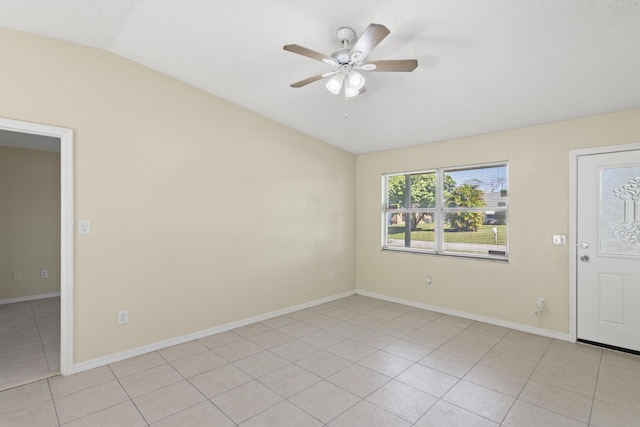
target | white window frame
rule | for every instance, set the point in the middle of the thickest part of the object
(439, 211)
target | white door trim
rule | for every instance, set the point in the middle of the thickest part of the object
(66, 230)
(573, 224)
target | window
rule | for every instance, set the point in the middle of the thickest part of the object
(450, 211)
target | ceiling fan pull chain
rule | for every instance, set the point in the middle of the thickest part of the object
(346, 106)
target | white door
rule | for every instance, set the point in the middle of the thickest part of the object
(608, 265)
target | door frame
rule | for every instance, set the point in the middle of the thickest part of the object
(573, 225)
(66, 229)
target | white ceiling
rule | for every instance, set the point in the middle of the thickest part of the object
(483, 66)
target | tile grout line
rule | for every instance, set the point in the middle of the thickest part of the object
(53, 403)
(469, 370)
(128, 396)
(595, 388)
(35, 319)
(533, 371)
(547, 409)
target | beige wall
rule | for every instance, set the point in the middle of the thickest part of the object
(202, 213)
(538, 160)
(29, 222)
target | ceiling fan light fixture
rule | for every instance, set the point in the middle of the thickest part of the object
(356, 80)
(335, 84)
(350, 91)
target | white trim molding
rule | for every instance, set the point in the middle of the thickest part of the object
(66, 229)
(511, 325)
(29, 298)
(117, 357)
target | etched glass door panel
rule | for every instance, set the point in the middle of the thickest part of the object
(620, 211)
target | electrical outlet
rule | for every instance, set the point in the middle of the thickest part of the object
(429, 281)
(84, 227)
(332, 275)
(44, 274)
(123, 317)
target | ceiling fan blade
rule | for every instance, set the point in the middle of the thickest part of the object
(392, 65)
(309, 80)
(371, 37)
(300, 50)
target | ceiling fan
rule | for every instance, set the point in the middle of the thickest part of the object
(347, 61)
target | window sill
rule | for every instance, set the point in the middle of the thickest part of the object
(478, 257)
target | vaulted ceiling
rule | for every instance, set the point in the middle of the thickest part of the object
(483, 66)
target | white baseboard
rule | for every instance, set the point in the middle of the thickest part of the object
(117, 357)
(29, 298)
(511, 325)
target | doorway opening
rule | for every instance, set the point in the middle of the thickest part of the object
(65, 137)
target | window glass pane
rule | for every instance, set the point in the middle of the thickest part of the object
(423, 190)
(412, 230)
(422, 194)
(395, 191)
(476, 187)
(487, 239)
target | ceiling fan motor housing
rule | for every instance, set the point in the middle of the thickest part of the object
(346, 35)
(342, 55)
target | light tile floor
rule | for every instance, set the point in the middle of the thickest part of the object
(29, 341)
(356, 361)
